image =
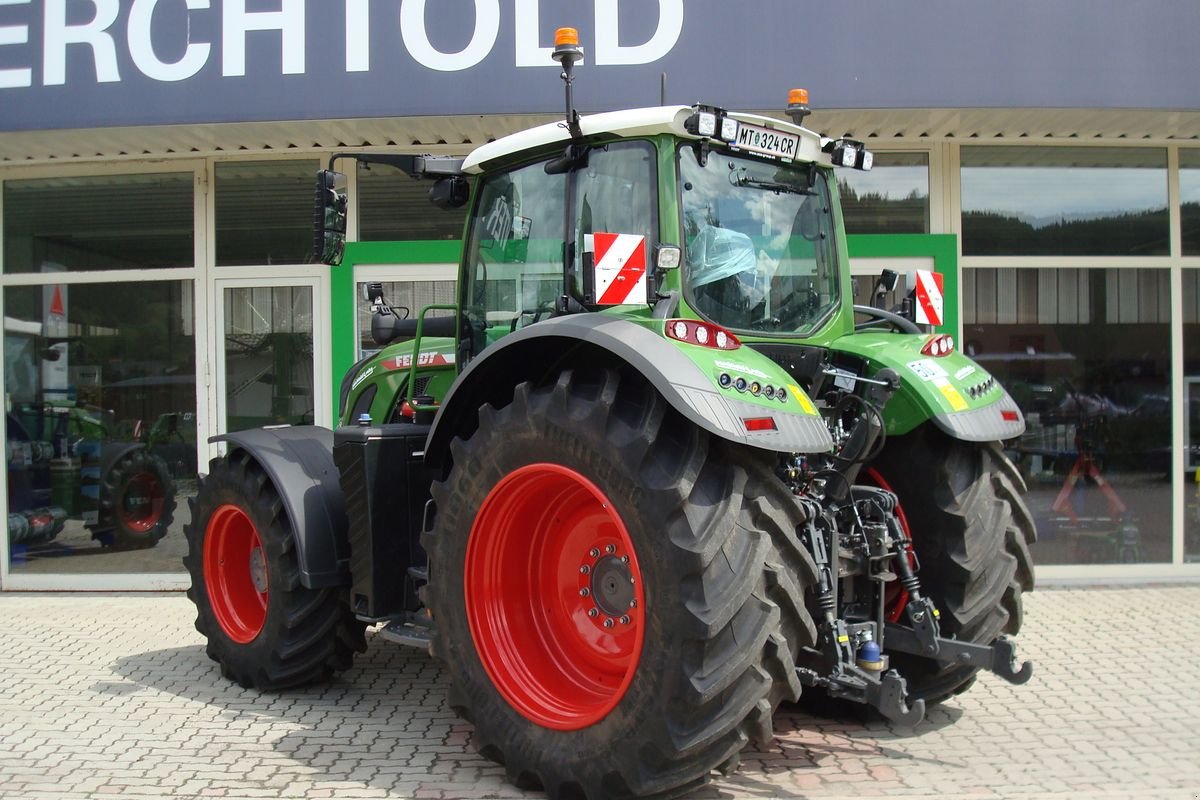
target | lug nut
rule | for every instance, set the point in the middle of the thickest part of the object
(585, 569)
(624, 559)
(594, 552)
(584, 592)
(608, 623)
(593, 613)
(625, 619)
(633, 603)
(612, 548)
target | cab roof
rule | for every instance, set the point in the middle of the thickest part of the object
(628, 123)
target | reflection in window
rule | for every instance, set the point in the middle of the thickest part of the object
(268, 356)
(101, 425)
(98, 222)
(406, 299)
(1189, 200)
(1086, 355)
(264, 212)
(1064, 201)
(1191, 394)
(893, 197)
(516, 239)
(395, 207)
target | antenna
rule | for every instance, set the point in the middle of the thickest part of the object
(567, 51)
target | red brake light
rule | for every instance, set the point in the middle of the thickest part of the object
(754, 424)
(940, 345)
(1009, 416)
(704, 334)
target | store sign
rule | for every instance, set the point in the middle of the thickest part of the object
(83, 63)
(104, 32)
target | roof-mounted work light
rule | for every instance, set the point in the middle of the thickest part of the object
(849, 153)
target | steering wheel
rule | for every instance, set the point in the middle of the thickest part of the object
(881, 317)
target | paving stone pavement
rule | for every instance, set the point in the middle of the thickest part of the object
(104, 695)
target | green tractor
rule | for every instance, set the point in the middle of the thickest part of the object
(647, 480)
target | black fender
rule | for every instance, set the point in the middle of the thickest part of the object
(299, 462)
(548, 347)
(112, 452)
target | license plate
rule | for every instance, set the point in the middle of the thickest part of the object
(767, 141)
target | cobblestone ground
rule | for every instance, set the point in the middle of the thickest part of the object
(113, 695)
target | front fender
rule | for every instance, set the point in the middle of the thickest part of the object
(956, 394)
(299, 462)
(684, 374)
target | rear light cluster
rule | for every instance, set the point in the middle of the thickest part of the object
(756, 388)
(980, 389)
(704, 334)
(940, 345)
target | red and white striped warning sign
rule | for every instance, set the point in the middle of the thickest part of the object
(619, 261)
(929, 297)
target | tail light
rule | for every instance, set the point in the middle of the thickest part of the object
(938, 346)
(704, 334)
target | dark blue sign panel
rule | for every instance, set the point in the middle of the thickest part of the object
(88, 63)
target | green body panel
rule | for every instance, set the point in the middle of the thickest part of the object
(929, 386)
(389, 369)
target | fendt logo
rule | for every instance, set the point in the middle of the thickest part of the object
(159, 36)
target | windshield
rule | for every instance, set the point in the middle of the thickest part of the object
(758, 242)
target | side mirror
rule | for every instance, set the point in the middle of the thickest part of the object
(329, 218)
(450, 193)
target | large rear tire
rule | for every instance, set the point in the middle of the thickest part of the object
(971, 532)
(265, 629)
(619, 598)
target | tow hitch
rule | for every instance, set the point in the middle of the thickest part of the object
(848, 661)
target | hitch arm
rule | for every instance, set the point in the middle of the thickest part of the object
(999, 657)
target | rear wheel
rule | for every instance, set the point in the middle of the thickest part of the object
(619, 598)
(971, 532)
(264, 628)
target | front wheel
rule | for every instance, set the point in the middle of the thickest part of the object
(264, 628)
(971, 531)
(619, 598)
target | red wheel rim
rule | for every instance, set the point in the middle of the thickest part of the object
(141, 504)
(235, 573)
(897, 599)
(554, 596)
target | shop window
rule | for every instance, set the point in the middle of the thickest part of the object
(1189, 200)
(101, 425)
(264, 212)
(893, 197)
(268, 356)
(395, 207)
(1086, 354)
(1191, 395)
(1064, 201)
(106, 222)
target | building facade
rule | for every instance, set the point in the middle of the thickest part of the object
(156, 167)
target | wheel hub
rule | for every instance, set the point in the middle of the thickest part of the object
(612, 586)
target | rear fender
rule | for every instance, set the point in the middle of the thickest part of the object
(686, 380)
(955, 393)
(299, 462)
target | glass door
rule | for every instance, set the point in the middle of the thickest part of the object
(270, 355)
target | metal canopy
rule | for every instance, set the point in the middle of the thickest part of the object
(460, 134)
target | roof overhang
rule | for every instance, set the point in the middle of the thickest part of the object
(462, 133)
